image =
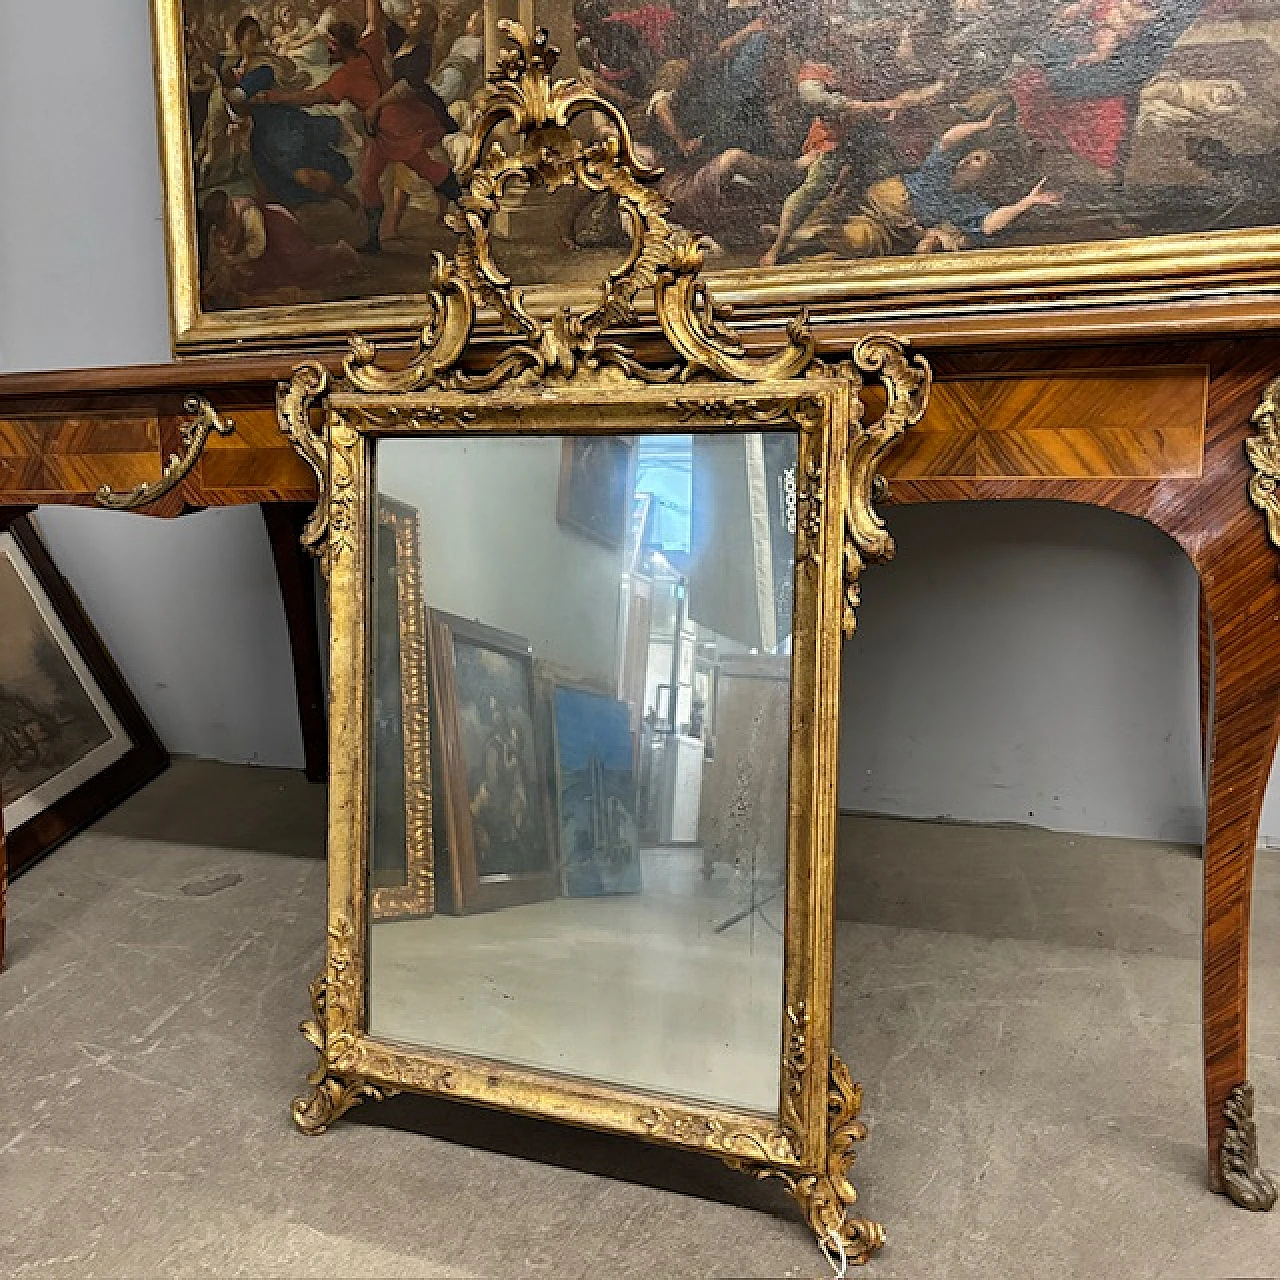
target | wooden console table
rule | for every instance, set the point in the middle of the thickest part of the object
(1156, 430)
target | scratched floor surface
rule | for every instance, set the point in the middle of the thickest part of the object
(1023, 1007)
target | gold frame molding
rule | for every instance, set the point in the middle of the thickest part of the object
(561, 377)
(417, 896)
(1214, 280)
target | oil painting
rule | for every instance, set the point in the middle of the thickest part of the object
(595, 793)
(595, 487)
(805, 140)
(499, 831)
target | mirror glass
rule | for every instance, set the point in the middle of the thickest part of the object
(607, 661)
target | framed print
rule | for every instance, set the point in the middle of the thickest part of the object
(963, 168)
(499, 844)
(595, 490)
(73, 740)
(402, 875)
(595, 793)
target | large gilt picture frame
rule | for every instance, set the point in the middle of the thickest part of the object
(962, 169)
(562, 377)
(402, 731)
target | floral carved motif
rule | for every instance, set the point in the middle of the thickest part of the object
(1264, 456)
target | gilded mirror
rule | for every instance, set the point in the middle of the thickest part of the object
(630, 580)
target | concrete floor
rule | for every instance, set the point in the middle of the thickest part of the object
(636, 989)
(1023, 1007)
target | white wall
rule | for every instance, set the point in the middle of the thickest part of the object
(189, 608)
(1007, 673)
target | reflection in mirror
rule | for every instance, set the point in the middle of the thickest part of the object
(401, 875)
(609, 628)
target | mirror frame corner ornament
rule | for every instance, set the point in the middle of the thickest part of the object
(561, 370)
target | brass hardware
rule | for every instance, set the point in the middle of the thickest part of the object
(1242, 1178)
(1264, 456)
(195, 435)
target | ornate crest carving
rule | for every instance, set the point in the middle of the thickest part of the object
(567, 346)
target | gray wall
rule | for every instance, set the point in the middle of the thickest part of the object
(1009, 665)
(1027, 662)
(555, 588)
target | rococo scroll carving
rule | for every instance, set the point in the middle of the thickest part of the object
(827, 1196)
(1242, 1177)
(907, 384)
(1264, 456)
(295, 410)
(533, 130)
(331, 1030)
(195, 435)
(567, 347)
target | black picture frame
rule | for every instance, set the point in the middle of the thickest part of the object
(143, 757)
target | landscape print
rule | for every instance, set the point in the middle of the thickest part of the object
(596, 794)
(327, 137)
(48, 721)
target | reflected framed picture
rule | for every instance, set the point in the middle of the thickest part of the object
(402, 868)
(595, 487)
(73, 740)
(595, 792)
(498, 842)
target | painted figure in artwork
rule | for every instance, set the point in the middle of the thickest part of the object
(295, 154)
(385, 73)
(788, 131)
(256, 250)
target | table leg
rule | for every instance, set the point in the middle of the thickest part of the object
(1206, 678)
(1243, 597)
(295, 570)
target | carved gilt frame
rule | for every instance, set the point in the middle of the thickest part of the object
(1219, 280)
(559, 377)
(417, 896)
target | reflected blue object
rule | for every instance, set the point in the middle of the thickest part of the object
(664, 469)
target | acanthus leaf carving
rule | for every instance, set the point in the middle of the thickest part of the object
(907, 384)
(336, 1085)
(827, 1195)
